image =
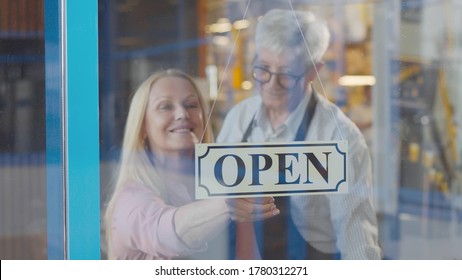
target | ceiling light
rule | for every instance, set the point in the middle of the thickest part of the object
(246, 85)
(222, 26)
(356, 80)
(241, 24)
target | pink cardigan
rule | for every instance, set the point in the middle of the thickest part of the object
(142, 224)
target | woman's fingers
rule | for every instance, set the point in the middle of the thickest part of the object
(252, 204)
(252, 209)
(246, 217)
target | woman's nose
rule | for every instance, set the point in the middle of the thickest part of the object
(181, 113)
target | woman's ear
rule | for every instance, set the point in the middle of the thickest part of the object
(146, 143)
(144, 137)
(313, 72)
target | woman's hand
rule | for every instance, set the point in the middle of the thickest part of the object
(252, 209)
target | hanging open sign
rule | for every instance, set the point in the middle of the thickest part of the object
(275, 169)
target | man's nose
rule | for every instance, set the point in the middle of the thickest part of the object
(273, 81)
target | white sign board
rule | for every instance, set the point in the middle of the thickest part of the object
(271, 169)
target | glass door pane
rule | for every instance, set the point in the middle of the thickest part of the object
(391, 67)
(23, 171)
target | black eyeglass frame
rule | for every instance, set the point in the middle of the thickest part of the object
(295, 77)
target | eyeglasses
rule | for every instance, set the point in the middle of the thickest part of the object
(286, 81)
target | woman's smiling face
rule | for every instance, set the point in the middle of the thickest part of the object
(174, 119)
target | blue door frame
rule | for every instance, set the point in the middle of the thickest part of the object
(73, 185)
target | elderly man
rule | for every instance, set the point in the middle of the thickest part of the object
(289, 50)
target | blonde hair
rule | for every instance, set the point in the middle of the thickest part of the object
(135, 165)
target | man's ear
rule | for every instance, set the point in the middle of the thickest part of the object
(313, 72)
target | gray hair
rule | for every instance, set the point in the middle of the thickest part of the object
(279, 30)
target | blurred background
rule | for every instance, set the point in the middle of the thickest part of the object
(393, 66)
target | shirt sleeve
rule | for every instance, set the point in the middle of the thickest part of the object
(353, 215)
(143, 222)
(199, 221)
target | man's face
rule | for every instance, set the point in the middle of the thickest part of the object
(284, 90)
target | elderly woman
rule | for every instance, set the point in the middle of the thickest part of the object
(289, 50)
(152, 213)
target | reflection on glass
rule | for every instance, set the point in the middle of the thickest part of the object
(405, 109)
(414, 152)
(22, 131)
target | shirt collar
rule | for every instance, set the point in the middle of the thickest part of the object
(292, 122)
